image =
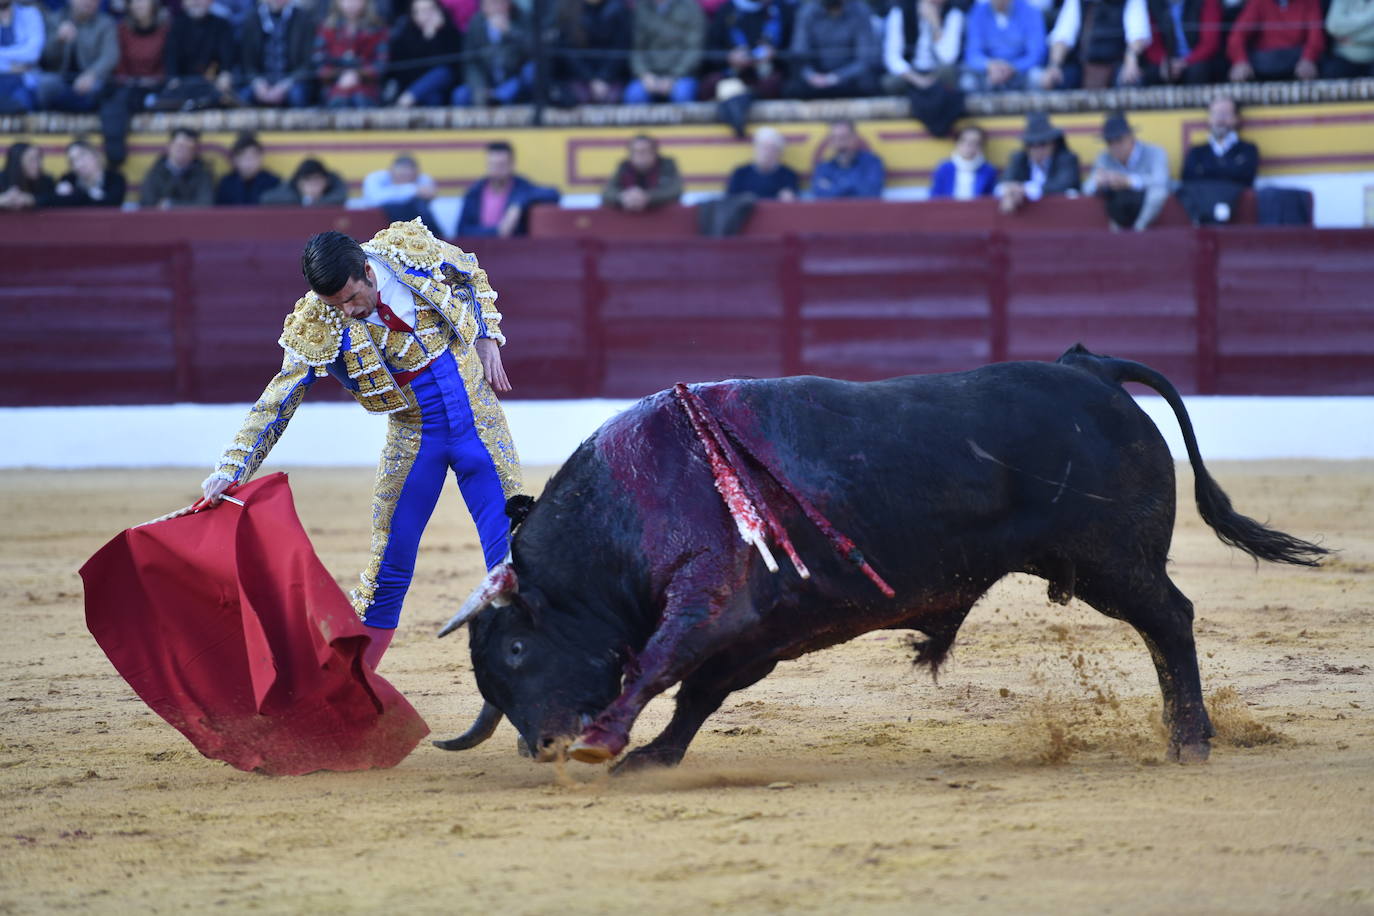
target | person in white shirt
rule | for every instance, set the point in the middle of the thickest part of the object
(1064, 38)
(402, 191)
(922, 42)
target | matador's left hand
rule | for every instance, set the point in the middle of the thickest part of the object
(490, 355)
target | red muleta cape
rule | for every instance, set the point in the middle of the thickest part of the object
(229, 627)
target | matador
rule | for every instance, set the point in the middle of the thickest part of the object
(408, 324)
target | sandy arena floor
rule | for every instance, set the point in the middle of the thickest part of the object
(1030, 780)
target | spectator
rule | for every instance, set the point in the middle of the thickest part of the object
(1046, 165)
(766, 177)
(311, 185)
(201, 56)
(460, 13)
(834, 50)
(351, 54)
(1276, 40)
(88, 182)
(643, 181)
(743, 41)
(140, 74)
(1351, 24)
(1130, 176)
(666, 51)
(21, 45)
(1185, 45)
(921, 44)
(278, 41)
(179, 177)
(594, 43)
(423, 53)
(402, 192)
(1005, 42)
(1216, 172)
(967, 173)
(24, 185)
(499, 69)
(249, 181)
(1107, 42)
(79, 57)
(852, 171)
(499, 203)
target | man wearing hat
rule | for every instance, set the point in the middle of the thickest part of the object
(1045, 165)
(1131, 177)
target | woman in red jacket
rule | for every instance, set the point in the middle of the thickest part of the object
(351, 55)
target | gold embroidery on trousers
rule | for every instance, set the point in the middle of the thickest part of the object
(398, 458)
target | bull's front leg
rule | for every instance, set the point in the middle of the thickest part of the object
(691, 631)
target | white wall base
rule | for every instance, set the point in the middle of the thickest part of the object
(546, 432)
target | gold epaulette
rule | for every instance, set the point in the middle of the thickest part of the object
(313, 333)
(410, 244)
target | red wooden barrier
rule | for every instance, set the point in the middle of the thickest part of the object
(1233, 311)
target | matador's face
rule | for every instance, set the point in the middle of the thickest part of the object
(358, 298)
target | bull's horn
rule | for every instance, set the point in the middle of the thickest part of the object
(495, 589)
(479, 731)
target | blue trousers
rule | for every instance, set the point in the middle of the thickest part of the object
(423, 445)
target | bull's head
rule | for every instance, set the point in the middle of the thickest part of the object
(533, 663)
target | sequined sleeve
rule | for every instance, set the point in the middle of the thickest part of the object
(484, 297)
(486, 300)
(266, 421)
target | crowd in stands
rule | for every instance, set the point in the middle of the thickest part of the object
(123, 56)
(1130, 176)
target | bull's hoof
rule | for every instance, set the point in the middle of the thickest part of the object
(1189, 754)
(583, 752)
(646, 758)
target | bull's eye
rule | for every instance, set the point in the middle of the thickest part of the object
(517, 649)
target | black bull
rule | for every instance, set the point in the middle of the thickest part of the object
(628, 575)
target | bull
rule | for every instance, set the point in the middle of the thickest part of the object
(902, 502)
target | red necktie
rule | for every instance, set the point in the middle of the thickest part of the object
(390, 318)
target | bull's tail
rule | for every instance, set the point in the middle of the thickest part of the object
(1260, 541)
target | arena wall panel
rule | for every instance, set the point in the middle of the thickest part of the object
(160, 319)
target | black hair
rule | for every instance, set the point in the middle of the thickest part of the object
(14, 176)
(330, 260)
(307, 168)
(186, 132)
(501, 146)
(245, 140)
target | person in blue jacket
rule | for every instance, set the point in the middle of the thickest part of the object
(1004, 42)
(498, 205)
(851, 170)
(967, 173)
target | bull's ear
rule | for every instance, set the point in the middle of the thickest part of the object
(518, 509)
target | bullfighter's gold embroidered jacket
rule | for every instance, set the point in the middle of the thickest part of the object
(454, 305)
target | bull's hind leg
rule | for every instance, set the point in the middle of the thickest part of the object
(1163, 616)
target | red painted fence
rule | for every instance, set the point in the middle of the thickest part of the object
(161, 313)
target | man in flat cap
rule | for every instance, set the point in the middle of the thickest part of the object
(1130, 176)
(1045, 165)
